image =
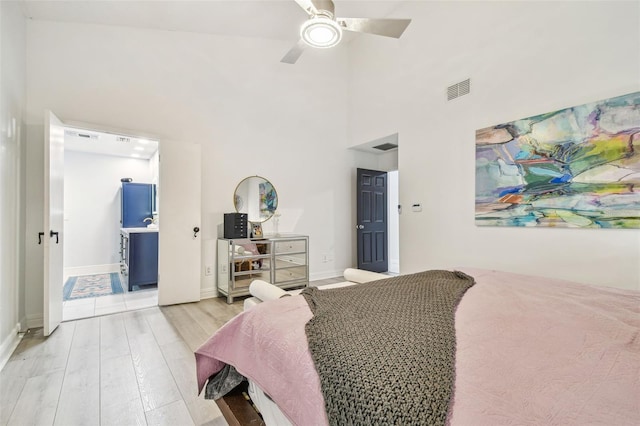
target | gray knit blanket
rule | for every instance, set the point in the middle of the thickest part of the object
(385, 350)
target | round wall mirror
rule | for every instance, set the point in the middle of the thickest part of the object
(256, 197)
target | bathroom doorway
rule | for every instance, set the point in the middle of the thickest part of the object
(97, 165)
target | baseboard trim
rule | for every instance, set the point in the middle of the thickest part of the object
(325, 275)
(35, 321)
(208, 293)
(74, 271)
(9, 345)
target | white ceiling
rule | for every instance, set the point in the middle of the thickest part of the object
(92, 142)
(271, 19)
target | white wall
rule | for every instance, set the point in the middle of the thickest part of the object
(12, 102)
(253, 115)
(523, 58)
(250, 113)
(92, 205)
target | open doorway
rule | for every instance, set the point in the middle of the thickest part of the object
(377, 221)
(98, 253)
(379, 156)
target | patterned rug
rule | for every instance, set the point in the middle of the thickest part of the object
(92, 286)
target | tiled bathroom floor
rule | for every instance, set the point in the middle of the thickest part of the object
(95, 306)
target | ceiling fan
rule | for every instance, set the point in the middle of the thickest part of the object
(323, 29)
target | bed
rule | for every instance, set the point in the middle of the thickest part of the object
(528, 350)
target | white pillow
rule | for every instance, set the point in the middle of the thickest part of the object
(359, 276)
(265, 291)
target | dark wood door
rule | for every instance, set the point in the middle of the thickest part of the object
(372, 220)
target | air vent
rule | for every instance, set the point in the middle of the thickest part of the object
(75, 133)
(459, 89)
(386, 146)
(123, 139)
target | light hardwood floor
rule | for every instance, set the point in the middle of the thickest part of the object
(129, 368)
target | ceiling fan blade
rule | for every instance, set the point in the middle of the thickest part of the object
(383, 27)
(307, 6)
(292, 55)
(313, 6)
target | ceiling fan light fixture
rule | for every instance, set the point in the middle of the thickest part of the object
(321, 31)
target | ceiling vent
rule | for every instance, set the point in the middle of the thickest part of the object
(459, 89)
(123, 139)
(386, 146)
(75, 133)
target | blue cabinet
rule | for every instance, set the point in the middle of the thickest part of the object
(140, 258)
(138, 203)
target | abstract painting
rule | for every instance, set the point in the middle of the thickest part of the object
(577, 167)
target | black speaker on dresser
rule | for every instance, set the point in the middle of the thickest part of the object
(236, 225)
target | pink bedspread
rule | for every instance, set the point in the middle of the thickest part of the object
(529, 351)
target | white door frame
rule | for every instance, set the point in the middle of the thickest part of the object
(393, 230)
(169, 240)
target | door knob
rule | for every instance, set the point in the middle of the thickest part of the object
(52, 233)
(359, 226)
(40, 235)
(195, 231)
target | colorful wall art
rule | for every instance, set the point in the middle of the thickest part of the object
(268, 200)
(576, 167)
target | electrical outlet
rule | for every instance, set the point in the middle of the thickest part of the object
(208, 270)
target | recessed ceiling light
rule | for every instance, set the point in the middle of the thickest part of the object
(135, 155)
